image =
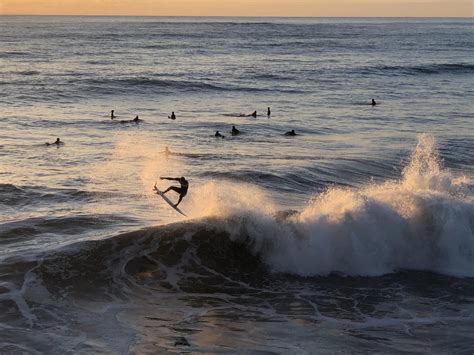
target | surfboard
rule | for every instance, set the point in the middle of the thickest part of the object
(168, 201)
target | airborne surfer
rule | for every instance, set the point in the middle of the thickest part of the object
(182, 190)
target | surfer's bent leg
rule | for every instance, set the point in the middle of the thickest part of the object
(174, 188)
(179, 200)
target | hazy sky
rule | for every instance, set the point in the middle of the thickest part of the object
(415, 8)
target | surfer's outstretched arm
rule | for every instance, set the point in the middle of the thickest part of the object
(168, 178)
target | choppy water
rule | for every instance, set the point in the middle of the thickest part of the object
(356, 235)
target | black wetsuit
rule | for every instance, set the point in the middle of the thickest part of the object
(182, 190)
(235, 131)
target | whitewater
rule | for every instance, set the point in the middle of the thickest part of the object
(357, 235)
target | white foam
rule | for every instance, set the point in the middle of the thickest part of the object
(425, 221)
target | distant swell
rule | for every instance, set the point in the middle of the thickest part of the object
(105, 86)
(27, 195)
(462, 68)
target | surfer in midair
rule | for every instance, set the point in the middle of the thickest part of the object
(182, 190)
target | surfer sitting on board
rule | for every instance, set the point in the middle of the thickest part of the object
(182, 191)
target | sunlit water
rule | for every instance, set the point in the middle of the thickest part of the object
(355, 235)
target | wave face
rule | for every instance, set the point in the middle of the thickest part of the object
(424, 221)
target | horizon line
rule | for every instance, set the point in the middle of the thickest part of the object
(229, 16)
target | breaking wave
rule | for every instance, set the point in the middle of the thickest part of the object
(424, 222)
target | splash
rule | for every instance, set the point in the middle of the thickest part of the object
(135, 164)
(425, 221)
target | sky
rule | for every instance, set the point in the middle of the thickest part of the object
(304, 8)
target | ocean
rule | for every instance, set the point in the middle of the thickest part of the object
(355, 235)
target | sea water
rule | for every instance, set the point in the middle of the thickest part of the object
(355, 235)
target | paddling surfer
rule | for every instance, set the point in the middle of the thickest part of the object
(182, 190)
(58, 142)
(135, 120)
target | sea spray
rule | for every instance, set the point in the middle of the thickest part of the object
(425, 221)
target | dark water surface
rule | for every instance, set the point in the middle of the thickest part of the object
(355, 235)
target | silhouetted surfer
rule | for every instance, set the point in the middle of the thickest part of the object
(235, 131)
(254, 114)
(173, 116)
(167, 151)
(182, 190)
(135, 120)
(218, 135)
(373, 102)
(58, 142)
(269, 112)
(112, 116)
(290, 133)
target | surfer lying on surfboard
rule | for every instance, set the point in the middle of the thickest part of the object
(182, 191)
